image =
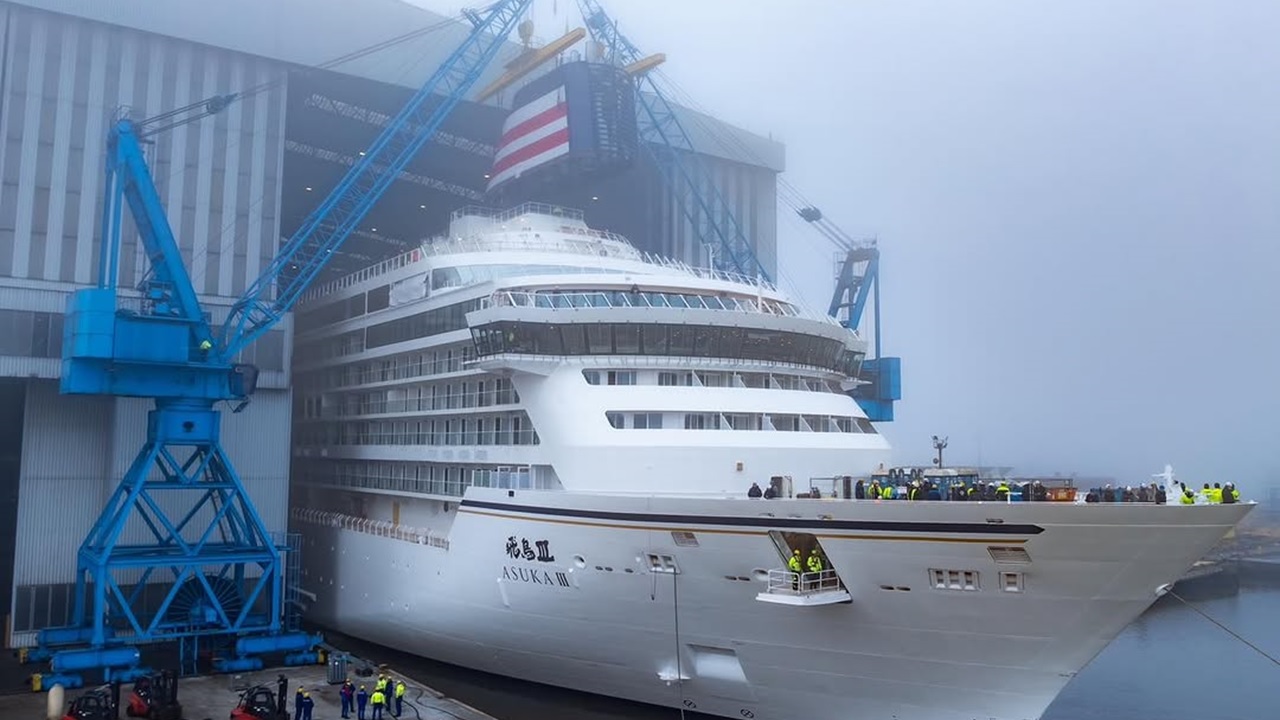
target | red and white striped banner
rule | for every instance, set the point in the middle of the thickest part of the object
(534, 134)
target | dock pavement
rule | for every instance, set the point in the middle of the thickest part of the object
(212, 697)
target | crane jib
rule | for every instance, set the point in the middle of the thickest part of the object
(324, 231)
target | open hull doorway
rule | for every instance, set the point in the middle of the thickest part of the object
(815, 583)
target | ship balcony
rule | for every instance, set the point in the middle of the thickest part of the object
(804, 589)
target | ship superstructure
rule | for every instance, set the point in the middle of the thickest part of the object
(525, 448)
(528, 350)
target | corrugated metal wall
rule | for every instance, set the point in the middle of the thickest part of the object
(75, 450)
(752, 196)
(62, 83)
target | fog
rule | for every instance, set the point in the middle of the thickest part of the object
(1076, 205)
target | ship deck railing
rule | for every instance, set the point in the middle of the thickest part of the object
(794, 583)
(804, 589)
(379, 528)
(585, 242)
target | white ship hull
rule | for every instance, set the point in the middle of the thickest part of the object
(597, 619)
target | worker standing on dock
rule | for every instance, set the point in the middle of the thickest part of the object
(400, 688)
(307, 706)
(297, 702)
(362, 699)
(379, 701)
(347, 693)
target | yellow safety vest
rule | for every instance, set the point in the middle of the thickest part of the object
(815, 564)
(378, 698)
(887, 493)
(1187, 498)
(794, 563)
(1215, 495)
(399, 689)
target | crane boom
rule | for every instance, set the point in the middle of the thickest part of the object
(207, 552)
(332, 222)
(659, 126)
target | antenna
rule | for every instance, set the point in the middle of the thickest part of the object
(939, 444)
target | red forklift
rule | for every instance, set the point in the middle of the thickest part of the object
(155, 697)
(260, 703)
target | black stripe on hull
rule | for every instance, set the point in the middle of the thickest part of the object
(767, 523)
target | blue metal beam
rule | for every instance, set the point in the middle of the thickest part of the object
(659, 126)
(323, 232)
(167, 287)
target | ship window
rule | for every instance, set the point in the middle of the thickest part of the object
(703, 342)
(622, 377)
(617, 420)
(702, 421)
(1011, 582)
(379, 298)
(647, 421)
(592, 376)
(627, 339)
(662, 564)
(599, 339)
(965, 580)
(575, 341)
(655, 339)
(547, 339)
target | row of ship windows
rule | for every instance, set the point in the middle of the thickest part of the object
(426, 478)
(570, 299)
(709, 378)
(739, 421)
(400, 367)
(424, 324)
(969, 580)
(379, 298)
(667, 340)
(415, 398)
(509, 429)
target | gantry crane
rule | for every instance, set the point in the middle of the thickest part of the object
(712, 218)
(211, 554)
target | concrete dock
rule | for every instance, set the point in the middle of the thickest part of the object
(212, 697)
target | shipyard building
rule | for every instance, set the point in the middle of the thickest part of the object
(234, 185)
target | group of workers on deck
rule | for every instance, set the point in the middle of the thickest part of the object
(1224, 494)
(1034, 491)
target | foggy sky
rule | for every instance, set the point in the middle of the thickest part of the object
(1078, 207)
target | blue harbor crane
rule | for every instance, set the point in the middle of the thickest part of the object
(712, 218)
(209, 571)
(857, 282)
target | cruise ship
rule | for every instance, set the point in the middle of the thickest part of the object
(526, 448)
